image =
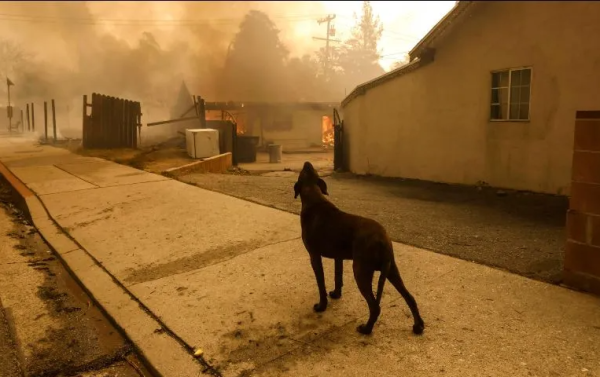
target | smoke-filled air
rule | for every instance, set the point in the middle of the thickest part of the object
(143, 51)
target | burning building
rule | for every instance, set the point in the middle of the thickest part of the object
(295, 125)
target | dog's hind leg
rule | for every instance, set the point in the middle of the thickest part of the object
(396, 280)
(364, 279)
(317, 265)
(339, 279)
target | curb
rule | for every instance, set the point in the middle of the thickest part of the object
(161, 351)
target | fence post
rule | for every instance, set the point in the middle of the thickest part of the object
(32, 118)
(46, 121)
(84, 125)
(22, 124)
(28, 119)
(54, 121)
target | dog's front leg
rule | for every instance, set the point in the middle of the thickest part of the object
(339, 279)
(317, 265)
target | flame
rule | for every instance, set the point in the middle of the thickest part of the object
(327, 129)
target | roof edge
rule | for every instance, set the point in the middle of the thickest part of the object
(437, 30)
(362, 88)
(422, 54)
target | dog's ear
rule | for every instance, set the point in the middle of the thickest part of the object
(322, 186)
(296, 190)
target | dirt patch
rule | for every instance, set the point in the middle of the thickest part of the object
(191, 263)
(154, 159)
(258, 345)
(75, 335)
(9, 362)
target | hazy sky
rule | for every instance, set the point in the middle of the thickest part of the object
(67, 37)
(404, 22)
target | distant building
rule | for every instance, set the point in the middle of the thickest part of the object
(294, 125)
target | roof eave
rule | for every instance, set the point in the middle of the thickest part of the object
(422, 54)
(425, 43)
(362, 88)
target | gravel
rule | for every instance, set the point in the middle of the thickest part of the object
(516, 231)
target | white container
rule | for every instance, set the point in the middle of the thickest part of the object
(274, 153)
(202, 142)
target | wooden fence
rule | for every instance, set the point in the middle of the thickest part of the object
(113, 122)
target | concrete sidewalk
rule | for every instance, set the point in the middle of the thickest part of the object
(180, 268)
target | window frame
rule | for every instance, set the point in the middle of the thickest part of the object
(509, 71)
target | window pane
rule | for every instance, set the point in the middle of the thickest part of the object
(524, 111)
(495, 112)
(524, 97)
(515, 78)
(526, 76)
(514, 111)
(495, 79)
(503, 78)
(515, 94)
(503, 94)
(499, 111)
(495, 96)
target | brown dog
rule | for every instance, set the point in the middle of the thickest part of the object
(331, 233)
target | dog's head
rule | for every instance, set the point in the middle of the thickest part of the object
(309, 177)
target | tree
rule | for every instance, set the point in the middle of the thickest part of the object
(359, 55)
(255, 64)
(11, 57)
(31, 78)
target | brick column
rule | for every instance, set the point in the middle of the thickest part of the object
(582, 253)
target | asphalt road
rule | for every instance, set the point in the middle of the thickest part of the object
(520, 232)
(48, 325)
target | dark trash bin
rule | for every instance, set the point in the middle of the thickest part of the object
(246, 148)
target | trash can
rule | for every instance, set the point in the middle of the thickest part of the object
(246, 148)
(274, 153)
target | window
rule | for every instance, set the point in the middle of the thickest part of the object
(510, 94)
(283, 119)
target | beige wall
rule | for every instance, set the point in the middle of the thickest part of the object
(306, 130)
(432, 123)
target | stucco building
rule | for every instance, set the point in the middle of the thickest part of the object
(491, 94)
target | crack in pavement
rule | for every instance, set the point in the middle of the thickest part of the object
(85, 180)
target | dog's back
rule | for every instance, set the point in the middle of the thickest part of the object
(333, 231)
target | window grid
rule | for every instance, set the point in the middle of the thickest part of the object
(505, 111)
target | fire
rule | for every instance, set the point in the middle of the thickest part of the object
(327, 129)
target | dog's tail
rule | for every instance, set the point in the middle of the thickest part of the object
(385, 269)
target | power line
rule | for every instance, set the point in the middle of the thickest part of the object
(158, 22)
(394, 53)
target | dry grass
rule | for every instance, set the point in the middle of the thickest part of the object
(154, 159)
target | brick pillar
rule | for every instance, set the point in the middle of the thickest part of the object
(582, 253)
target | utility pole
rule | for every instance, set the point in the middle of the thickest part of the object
(9, 108)
(330, 33)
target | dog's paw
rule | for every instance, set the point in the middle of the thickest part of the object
(335, 295)
(320, 307)
(363, 329)
(418, 328)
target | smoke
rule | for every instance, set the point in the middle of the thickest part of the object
(140, 51)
